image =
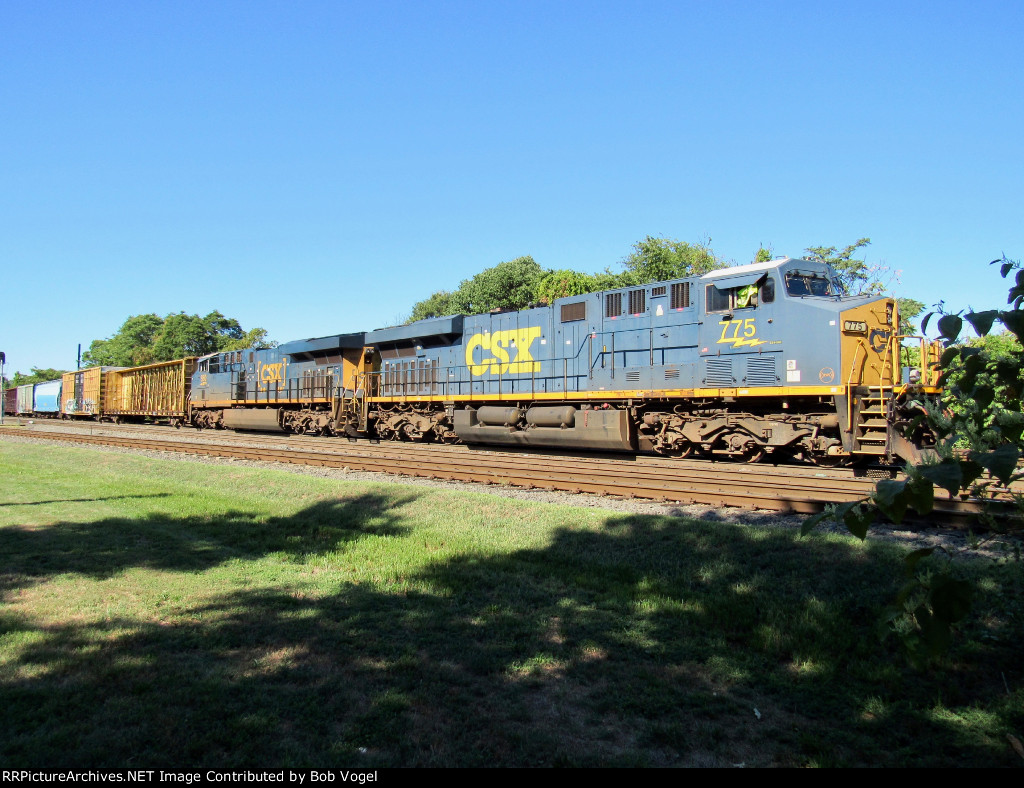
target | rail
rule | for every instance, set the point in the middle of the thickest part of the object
(784, 489)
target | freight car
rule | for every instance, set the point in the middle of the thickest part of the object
(768, 360)
(38, 399)
(11, 401)
(82, 392)
(155, 392)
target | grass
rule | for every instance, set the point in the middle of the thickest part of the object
(170, 614)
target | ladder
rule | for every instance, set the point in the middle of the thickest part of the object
(872, 415)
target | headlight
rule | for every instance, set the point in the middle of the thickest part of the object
(855, 326)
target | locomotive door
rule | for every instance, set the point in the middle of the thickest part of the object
(238, 385)
(572, 354)
(79, 405)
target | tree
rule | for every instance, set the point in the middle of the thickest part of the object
(516, 284)
(507, 285)
(129, 347)
(763, 255)
(853, 273)
(147, 339)
(909, 308)
(564, 283)
(255, 338)
(191, 335)
(980, 432)
(437, 305)
(37, 376)
(656, 259)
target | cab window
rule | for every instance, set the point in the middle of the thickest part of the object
(810, 283)
(732, 298)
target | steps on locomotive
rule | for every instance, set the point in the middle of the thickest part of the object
(871, 423)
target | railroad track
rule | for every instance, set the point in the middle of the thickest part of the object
(779, 488)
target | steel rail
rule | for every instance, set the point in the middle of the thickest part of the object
(782, 489)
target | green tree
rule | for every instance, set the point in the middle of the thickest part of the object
(191, 335)
(437, 305)
(147, 339)
(909, 308)
(853, 273)
(255, 338)
(516, 284)
(763, 255)
(564, 283)
(656, 259)
(37, 376)
(130, 346)
(508, 285)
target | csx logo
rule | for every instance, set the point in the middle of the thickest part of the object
(270, 373)
(498, 345)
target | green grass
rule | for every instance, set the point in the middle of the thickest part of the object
(161, 613)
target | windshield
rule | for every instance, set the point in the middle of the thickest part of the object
(812, 283)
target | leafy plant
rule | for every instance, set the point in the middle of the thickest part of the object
(979, 429)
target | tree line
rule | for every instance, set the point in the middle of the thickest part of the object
(149, 339)
(522, 282)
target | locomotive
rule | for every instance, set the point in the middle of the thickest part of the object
(770, 360)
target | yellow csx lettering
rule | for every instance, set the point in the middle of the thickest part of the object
(270, 373)
(499, 343)
(743, 334)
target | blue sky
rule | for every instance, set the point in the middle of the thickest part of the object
(317, 167)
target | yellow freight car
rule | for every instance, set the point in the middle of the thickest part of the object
(155, 391)
(82, 392)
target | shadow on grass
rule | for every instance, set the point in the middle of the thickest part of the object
(651, 642)
(86, 500)
(100, 549)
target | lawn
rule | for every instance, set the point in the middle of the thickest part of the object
(179, 614)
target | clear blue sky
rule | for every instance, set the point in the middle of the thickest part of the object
(317, 167)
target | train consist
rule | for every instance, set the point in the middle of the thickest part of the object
(763, 361)
(157, 392)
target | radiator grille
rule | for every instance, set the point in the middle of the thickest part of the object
(720, 372)
(761, 371)
(680, 295)
(576, 311)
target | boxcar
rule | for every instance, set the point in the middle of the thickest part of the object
(156, 391)
(11, 401)
(82, 395)
(24, 407)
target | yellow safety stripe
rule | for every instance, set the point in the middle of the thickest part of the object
(555, 396)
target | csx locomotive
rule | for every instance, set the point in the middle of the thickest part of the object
(764, 361)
